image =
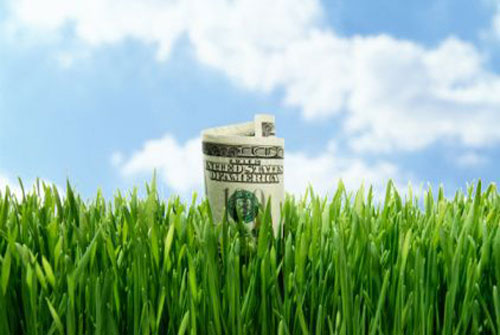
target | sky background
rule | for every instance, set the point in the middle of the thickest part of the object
(103, 92)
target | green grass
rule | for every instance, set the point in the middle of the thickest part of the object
(342, 266)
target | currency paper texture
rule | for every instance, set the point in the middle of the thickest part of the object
(243, 166)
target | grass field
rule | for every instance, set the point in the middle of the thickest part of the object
(342, 266)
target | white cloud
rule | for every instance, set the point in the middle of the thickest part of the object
(99, 22)
(407, 97)
(179, 166)
(393, 94)
(325, 170)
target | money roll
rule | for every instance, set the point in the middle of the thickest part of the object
(243, 166)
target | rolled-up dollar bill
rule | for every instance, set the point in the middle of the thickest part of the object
(243, 166)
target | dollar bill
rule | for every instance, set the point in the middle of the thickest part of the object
(243, 166)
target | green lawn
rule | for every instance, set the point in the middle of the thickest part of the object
(342, 266)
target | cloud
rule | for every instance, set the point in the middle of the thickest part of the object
(179, 166)
(407, 97)
(101, 22)
(389, 94)
(323, 172)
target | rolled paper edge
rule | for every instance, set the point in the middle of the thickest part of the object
(251, 132)
(238, 129)
(243, 140)
(243, 150)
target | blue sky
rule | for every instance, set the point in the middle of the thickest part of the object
(104, 92)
